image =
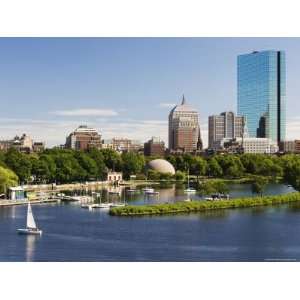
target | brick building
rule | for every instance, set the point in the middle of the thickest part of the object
(154, 147)
(83, 138)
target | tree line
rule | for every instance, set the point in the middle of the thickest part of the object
(66, 166)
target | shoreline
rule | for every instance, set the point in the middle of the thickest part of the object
(6, 203)
(198, 206)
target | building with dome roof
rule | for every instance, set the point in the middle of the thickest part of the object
(161, 166)
(184, 129)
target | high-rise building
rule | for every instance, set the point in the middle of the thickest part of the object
(225, 125)
(155, 146)
(262, 93)
(184, 129)
(83, 138)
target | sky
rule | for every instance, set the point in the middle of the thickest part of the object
(125, 87)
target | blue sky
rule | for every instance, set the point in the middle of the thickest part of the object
(125, 87)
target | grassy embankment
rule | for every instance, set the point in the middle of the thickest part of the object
(197, 206)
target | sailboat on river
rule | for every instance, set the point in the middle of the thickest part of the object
(31, 227)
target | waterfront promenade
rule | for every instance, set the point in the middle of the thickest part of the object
(6, 202)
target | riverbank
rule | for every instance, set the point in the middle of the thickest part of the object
(197, 206)
(24, 202)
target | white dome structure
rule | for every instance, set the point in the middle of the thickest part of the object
(161, 166)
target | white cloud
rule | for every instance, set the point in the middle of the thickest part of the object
(54, 131)
(293, 128)
(166, 105)
(86, 112)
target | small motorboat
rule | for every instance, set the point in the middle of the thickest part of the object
(117, 205)
(31, 227)
(105, 205)
(208, 199)
(190, 190)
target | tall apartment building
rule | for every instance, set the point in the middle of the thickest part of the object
(262, 92)
(155, 146)
(83, 138)
(184, 129)
(225, 125)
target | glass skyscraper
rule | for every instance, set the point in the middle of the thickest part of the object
(261, 93)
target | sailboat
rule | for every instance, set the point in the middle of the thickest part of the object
(31, 227)
(119, 204)
(189, 190)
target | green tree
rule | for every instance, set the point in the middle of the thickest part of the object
(213, 168)
(112, 159)
(153, 175)
(292, 171)
(213, 187)
(180, 176)
(19, 163)
(97, 156)
(7, 179)
(231, 165)
(165, 176)
(133, 163)
(199, 166)
(88, 164)
(68, 169)
(259, 184)
(49, 160)
(39, 170)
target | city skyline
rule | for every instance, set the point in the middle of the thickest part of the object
(125, 87)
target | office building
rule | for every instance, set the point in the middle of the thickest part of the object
(184, 129)
(250, 145)
(23, 143)
(262, 93)
(83, 138)
(154, 147)
(225, 125)
(287, 146)
(122, 145)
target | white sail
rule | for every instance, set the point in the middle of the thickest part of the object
(30, 219)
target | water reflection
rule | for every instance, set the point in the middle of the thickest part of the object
(215, 214)
(30, 247)
(9, 212)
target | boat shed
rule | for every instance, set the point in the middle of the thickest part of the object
(16, 193)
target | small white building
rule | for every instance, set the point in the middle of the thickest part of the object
(16, 193)
(114, 177)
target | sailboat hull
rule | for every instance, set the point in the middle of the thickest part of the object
(27, 231)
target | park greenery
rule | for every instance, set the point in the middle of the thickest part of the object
(198, 206)
(66, 166)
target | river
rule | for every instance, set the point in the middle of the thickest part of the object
(71, 233)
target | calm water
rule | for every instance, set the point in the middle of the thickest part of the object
(75, 234)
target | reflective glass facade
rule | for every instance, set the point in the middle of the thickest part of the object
(261, 93)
